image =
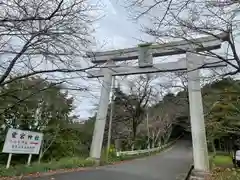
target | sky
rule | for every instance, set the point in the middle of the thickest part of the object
(113, 31)
(116, 29)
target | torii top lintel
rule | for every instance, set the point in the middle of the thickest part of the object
(178, 47)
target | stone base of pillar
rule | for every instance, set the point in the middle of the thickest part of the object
(199, 175)
(96, 160)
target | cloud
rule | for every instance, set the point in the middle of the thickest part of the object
(113, 31)
(109, 7)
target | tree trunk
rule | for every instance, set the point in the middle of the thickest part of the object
(118, 144)
(133, 146)
(213, 147)
(166, 137)
(134, 130)
(160, 142)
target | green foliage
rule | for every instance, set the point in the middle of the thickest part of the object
(145, 45)
(222, 161)
(39, 105)
(219, 160)
(67, 163)
(222, 167)
(222, 107)
(23, 97)
(64, 163)
(112, 157)
(129, 112)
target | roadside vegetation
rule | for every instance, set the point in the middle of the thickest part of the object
(42, 48)
(222, 168)
(69, 164)
(185, 20)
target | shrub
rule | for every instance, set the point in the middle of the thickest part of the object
(65, 163)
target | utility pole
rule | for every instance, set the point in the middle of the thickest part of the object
(148, 132)
(111, 117)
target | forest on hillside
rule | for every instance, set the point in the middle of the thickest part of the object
(38, 105)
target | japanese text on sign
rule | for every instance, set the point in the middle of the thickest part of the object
(22, 142)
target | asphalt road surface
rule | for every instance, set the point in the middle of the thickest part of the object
(171, 164)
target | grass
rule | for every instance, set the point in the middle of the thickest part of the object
(222, 168)
(65, 163)
(222, 161)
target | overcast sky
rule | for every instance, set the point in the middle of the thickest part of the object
(114, 30)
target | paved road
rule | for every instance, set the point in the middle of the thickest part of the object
(168, 165)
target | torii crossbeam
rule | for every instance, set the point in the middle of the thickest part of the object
(180, 65)
(158, 50)
(145, 53)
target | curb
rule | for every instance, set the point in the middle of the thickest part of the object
(49, 173)
(189, 173)
(63, 171)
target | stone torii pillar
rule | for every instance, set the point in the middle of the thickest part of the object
(97, 139)
(199, 141)
(192, 63)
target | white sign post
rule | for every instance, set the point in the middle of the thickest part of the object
(22, 142)
(9, 160)
(29, 159)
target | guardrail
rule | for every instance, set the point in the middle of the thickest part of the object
(142, 151)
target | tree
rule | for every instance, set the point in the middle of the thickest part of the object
(161, 117)
(130, 108)
(121, 127)
(44, 38)
(87, 131)
(33, 101)
(222, 117)
(38, 105)
(39, 37)
(188, 19)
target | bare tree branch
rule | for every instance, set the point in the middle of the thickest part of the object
(12, 63)
(47, 71)
(187, 19)
(34, 18)
(39, 37)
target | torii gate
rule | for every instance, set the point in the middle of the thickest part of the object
(145, 53)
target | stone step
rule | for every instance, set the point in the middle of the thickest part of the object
(198, 175)
(196, 178)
